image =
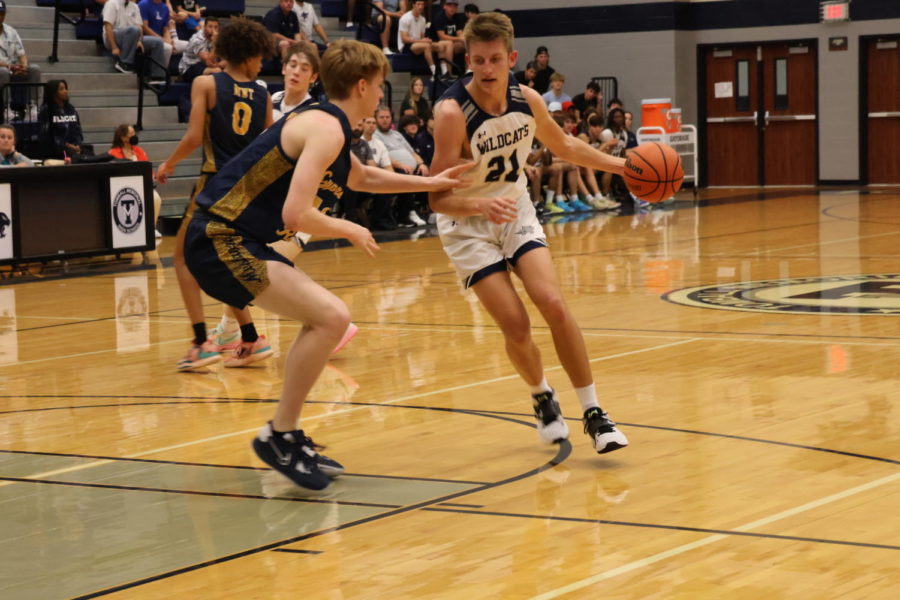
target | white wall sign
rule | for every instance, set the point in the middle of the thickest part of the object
(6, 217)
(132, 319)
(724, 89)
(129, 211)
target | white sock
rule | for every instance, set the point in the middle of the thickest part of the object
(228, 324)
(432, 69)
(540, 388)
(444, 68)
(560, 198)
(587, 396)
(549, 195)
(573, 197)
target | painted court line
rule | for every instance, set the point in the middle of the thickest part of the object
(336, 412)
(638, 564)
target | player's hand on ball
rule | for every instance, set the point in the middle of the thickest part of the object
(362, 239)
(498, 210)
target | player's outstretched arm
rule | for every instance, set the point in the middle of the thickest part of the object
(449, 142)
(379, 181)
(317, 138)
(202, 89)
(566, 147)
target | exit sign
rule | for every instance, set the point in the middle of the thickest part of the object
(835, 11)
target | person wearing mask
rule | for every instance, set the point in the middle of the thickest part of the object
(125, 147)
(60, 124)
(8, 155)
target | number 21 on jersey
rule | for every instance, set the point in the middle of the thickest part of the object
(498, 167)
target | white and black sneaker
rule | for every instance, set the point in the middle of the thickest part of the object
(603, 432)
(292, 455)
(329, 466)
(550, 424)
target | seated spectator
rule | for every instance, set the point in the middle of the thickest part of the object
(300, 69)
(282, 21)
(187, 13)
(556, 93)
(60, 123)
(543, 70)
(593, 137)
(125, 147)
(8, 155)
(526, 75)
(13, 60)
(122, 35)
(632, 136)
(380, 217)
(309, 22)
(425, 141)
(555, 109)
(448, 25)
(614, 139)
(409, 129)
(470, 10)
(614, 103)
(411, 39)
(179, 44)
(353, 203)
(199, 58)
(403, 159)
(592, 97)
(155, 15)
(393, 10)
(415, 103)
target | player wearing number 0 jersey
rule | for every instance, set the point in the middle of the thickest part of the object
(228, 111)
(490, 227)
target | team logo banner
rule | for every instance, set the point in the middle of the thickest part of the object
(836, 295)
(6, 216)
(128, 211)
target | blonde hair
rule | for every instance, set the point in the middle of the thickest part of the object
(346, 62)
(487, 27)
(557, 77)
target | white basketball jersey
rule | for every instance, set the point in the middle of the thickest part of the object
(500, 144)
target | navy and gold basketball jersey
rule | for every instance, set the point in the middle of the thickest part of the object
(238, 117)
(500, 144)
(249, 191)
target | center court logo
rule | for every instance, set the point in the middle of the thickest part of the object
(128, 210)
(837, 295)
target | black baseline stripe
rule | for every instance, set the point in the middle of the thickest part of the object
(297, 551)
(564, 449)
(729, 532)
(462, 505)
(134, 488)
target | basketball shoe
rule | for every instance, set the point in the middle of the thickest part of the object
(250, 352)
(602, 431)
(292, 455)
(351, 332)
(550, 424)
(225, 341)
(199, 356)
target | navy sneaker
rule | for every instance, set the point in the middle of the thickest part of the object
(292, 456)
(329, 466)
(604, 435)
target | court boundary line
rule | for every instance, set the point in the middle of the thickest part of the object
(677, 550)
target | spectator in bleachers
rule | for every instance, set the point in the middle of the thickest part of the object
(593, 137)
(179, 44)
(409, 129)
(125, 147)
(380, 216)
(309, 22)
(447, 26)
(543, 70)
(353, 203)
(614, 139)
(155, 14)
(614, 103)
(470, 10)
(425, 140)
(60, 123)
(282, 21)
(122, 35)
(526, 75)
(187, 13)
(393, 10)
(556, 93)
(8, 155)
(411, 39)
(199, 58)
(14, 63)
(415, 103)
(632, 136)
(404, 160)
(591, 97)
(300, 68)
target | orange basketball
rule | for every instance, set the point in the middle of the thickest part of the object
(653, 172)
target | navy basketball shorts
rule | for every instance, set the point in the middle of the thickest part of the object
(228, 266)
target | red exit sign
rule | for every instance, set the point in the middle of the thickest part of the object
(835, 11)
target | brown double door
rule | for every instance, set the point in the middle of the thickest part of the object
(760, 119)
(883, 109)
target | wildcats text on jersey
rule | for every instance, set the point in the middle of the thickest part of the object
(501, 140)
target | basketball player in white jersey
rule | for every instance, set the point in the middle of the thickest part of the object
(491, 228)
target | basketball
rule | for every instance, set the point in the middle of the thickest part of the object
(653, 172)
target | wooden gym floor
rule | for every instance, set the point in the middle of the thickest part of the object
(765, 435)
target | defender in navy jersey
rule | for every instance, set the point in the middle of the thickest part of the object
(491, 228)
(228, 111)
(285, 181)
